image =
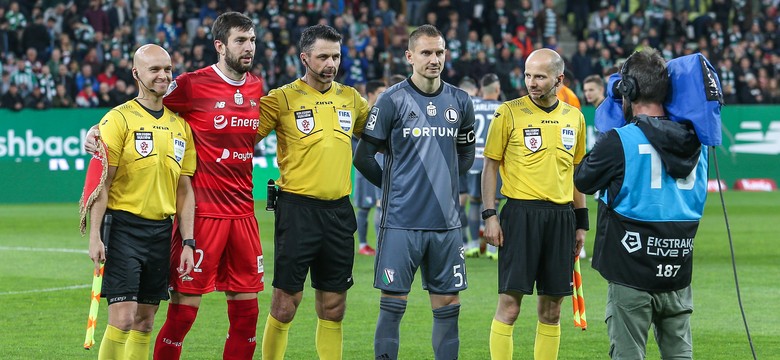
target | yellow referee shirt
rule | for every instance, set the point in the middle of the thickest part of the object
(537, 150)
(150, 154)
(313, 133)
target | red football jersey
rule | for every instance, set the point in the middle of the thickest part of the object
(223, 115)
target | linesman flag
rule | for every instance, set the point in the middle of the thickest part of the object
(577, 298)
(93, 184)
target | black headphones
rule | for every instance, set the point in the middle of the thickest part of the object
(627, 87)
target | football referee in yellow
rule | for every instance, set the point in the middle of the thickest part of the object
(151, 158)
(314, 118)
(535, 141)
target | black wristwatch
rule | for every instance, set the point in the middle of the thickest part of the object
(488, 213)
(188, 242)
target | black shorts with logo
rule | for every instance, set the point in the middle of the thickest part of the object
(313, 234)
(137, 259)
(539, 240)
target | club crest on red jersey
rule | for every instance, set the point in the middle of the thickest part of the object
(304, 121)
(144, 144)
(533, 139)
(238, 98)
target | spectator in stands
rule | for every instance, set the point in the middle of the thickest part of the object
(37, 37)
(751, 93)
(547, 23)
(581, 63)
(522, 40)
(86, 78)
(97, 18)
(23, 77)
(36, 100)
(605, 62)
(104, 96)
(598, 23)
(119, 14)
(108, 76)
(46, 82)
(12, 99)
(87, 98)
(121, 93)
(62, 99)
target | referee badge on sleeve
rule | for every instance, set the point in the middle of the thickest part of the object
(144, 144)
(533, 139)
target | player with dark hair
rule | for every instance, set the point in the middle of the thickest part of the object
(484, 108)
(651, 175)
(151, 157)
(220, 102)
(535, 141)
(365, 194)
(426, 129)
(314, 118)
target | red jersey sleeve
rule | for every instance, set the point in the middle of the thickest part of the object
(178, 96)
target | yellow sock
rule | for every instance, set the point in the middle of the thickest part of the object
(548, 339)
(275, 339)
(137, 347)
(113, 345)
(328, 339)
(501, 346)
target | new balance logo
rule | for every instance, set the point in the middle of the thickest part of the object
(219, 105)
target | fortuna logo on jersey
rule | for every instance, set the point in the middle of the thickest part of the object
(238, 98)
(388, 276)
(533, 139)
(144, 144)
(567, 138)
(304, 120)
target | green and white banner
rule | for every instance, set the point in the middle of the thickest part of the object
(41, 156)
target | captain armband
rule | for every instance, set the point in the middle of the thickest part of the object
(466, 137)
(581, 215)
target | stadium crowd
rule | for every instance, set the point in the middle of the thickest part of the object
(61, 54)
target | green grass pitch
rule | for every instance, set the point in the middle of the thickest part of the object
(38, 324)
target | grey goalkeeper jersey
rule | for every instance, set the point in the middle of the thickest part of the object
(420, 134)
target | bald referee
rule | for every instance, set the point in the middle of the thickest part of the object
(151, 158)
(535, 141)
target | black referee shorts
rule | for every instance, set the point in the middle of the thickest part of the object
(137, 259)
(313, 234)
(539, 240)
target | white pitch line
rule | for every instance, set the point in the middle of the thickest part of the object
(72, 287)
(62, 250)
